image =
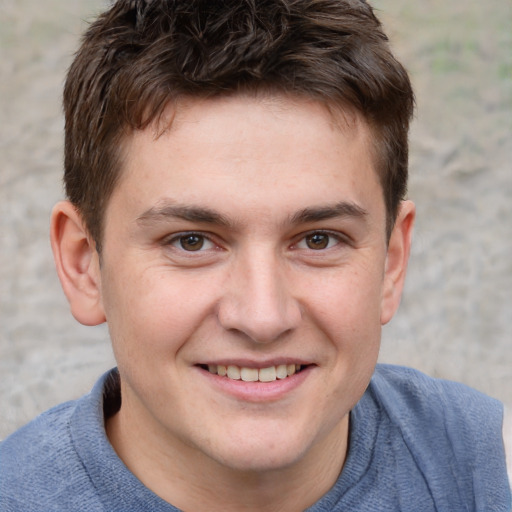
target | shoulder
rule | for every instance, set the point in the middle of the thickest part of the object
(507, 438)
(415, 401)
(426, 394)
(453, 432)
(39, 465)
(39, 440)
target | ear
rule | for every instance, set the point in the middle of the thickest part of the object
(396, 260)
(77, 263)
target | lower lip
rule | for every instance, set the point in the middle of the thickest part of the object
(257, 391)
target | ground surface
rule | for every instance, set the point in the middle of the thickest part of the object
(456, 317)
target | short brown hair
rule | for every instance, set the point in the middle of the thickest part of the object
(141, 55)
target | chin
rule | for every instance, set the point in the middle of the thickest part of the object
(261, 452)
(260, 461)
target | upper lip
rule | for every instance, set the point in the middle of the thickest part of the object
(251, 363)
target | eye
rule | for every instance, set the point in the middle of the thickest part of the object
(191, 242)
(318, 240)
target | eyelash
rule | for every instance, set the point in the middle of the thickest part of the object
(335, 237)
(177, 240)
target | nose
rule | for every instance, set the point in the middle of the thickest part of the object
(258, 300)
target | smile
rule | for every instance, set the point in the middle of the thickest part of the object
(269, 374)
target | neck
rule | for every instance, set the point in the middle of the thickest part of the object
(190, 480)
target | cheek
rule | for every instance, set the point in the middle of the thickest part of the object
(153, 313)
(348, 313)
(347, 298)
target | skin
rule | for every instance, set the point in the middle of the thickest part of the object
(293, 265)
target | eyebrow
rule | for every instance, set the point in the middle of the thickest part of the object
(316, 214)
(166, 211)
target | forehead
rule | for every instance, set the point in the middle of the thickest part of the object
(191, 107)
(265, 151)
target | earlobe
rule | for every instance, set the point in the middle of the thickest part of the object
(77, 263)
(396, 260)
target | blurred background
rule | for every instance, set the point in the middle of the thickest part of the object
(455, 320)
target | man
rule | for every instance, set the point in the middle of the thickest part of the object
(236, 174)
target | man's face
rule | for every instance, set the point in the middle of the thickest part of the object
(249, 238)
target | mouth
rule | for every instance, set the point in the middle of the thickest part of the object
(247, 374)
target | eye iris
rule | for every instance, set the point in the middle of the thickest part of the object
(317, 241)
(192, 242)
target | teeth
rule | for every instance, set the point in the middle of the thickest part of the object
(281, 371)
(233, 372)
(249, 374)
(269, 374)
